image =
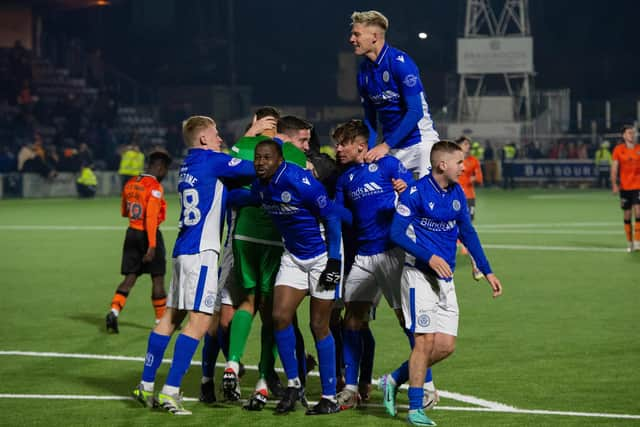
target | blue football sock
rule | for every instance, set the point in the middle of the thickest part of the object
(416, 395)
(210, 351)
(368, 352)
(326, 348)
(286, 341)
(155, 352)
(352, 341)
(336, 331)
(301, 355)
(182, 354)
(429, 377)
(223, 341)
(401, 375)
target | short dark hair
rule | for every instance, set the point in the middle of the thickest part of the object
(272, 143)
(348, 131)
(444, 146)
(462, 138)
(287, 124)
(160, 155)
(626, 128)
(267, 111)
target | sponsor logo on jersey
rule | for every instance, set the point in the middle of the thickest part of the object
(413, 190)
(431, 205)
(410, 80)
(234, 162)
(373, 167)
(280, 209)
(385, 76)
(387, 95)
(456, 205)
(435, 225)
(350, 177)
(400, 58)
(156, 193)
(368, 189)
(403, 210)
(285, 196)
(305, 180)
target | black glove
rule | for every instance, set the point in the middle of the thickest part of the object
(330, 277)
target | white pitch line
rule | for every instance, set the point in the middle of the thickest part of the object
(439, 408)
(558, 232)
(548, 225)
(554, 248)
(454, 396)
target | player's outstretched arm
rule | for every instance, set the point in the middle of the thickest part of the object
(495, 284)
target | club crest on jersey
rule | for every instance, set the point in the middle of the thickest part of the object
(306, 180)
(234, 162)
(431, 205)
(373, 167)
(400, 58)
(403, 210)
(410, 80)
(285, 196)
(385, 76)
(456, 205)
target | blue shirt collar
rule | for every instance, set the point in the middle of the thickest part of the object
(383, 52)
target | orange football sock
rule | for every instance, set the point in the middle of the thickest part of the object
(118, 301)
(160, 306)
(627, 229)
(636, 230)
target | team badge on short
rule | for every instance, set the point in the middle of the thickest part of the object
(373, 167)
(385, 76)
(210, 300)
(424, 320)
(285, 196)
(456, 205)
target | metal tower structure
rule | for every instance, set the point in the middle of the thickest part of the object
(481, 22)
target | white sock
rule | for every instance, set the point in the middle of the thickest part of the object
(233, 365)
(294, 383)
(170, 390)
(430, 386)
(261, 384)
(114, 311)
(351, 387)
(147, 386)
(331, 398)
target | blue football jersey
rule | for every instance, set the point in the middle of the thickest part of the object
(429, 220)
(384, 86)
(203, 198)
(367, 191)
(296, 202)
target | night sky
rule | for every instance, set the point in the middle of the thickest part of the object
(287, 50)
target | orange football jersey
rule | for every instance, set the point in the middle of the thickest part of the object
(471, 169)
(628, 165)
(143, 202)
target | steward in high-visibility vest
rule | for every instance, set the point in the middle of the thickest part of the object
(131, 164)
(87, 183)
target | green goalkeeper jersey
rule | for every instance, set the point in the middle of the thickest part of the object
(253, 224)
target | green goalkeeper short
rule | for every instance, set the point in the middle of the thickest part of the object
(256, 265)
